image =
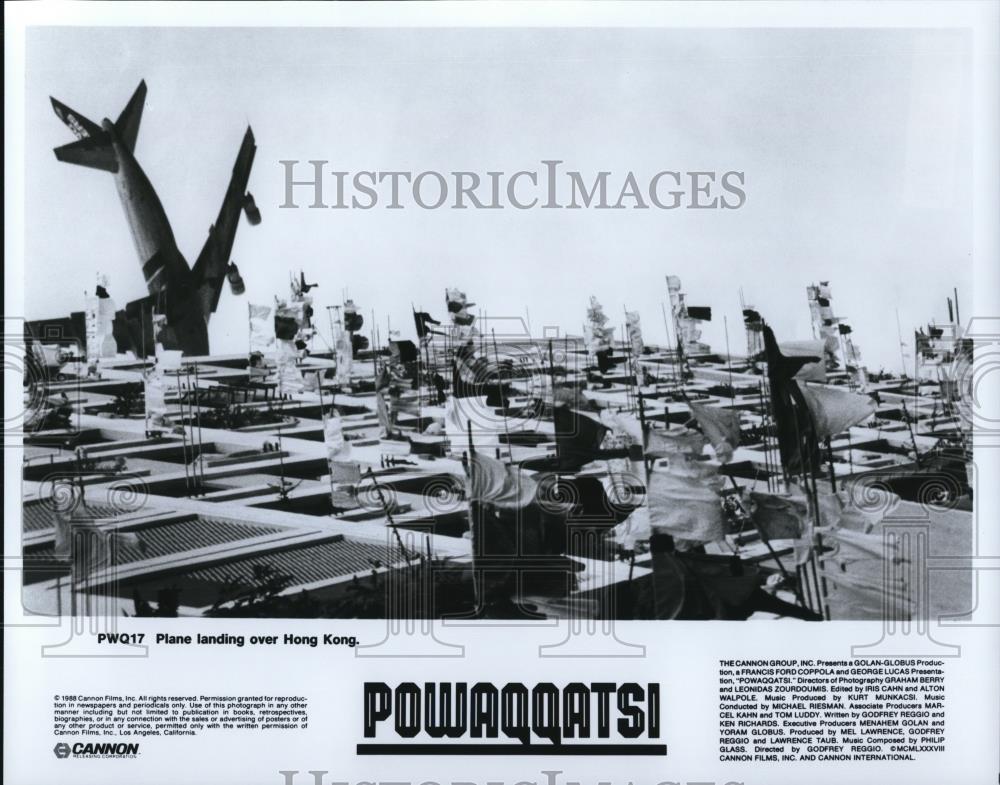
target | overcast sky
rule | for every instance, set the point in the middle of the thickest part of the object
(855, 144)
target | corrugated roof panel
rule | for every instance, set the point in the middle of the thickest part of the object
(171, 537)
(39, 515)
(306, 564)
(200, 532)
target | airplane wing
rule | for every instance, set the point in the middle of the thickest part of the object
(210, 268)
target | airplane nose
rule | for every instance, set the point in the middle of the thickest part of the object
(107, 125)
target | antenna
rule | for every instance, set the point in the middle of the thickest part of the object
(899, 333)
(729, 361)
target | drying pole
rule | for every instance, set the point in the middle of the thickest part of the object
(195, 432)
(59, 597)
(448, 330)
(201, 443)
(374, 345)
(388, 515)
(190, 419)
(552, 378)
(281, 452)
(729, 361)
(503, 400)
(765, 425)
(677, 334)
(628, 368)
(72, 574)
(822, 592)
(333, 334)
(425, 344)
(829, 457)
(771, 417)
(633, 361)
(851, 384)
(322, 416)
(746, 332)
(899, 334)
(187, 479)
(913, 438)
(184, 439)
(419, 380)
(808, 474)
(666, 325)
(419, 373)
(642, 428)
(473, 515)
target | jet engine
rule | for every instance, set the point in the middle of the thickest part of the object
(236, 285)
(250, 208)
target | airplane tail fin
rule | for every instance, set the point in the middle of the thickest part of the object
(93, 148)
(127, 123)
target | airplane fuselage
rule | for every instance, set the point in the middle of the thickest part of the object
(167, 275)
(163, 266)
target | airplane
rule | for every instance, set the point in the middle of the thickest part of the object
(182, 297)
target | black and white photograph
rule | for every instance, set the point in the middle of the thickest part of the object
(535, 336)
(601, 383)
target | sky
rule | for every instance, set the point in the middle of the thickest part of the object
(855, 144)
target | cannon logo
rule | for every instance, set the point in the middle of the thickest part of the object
(119, 749)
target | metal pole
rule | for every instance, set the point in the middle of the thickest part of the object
(184, 439)
(913, 438)
(322, 415)
(474, 511)
(388, 515)
(899, 334)
(191, 419)
(666, 325)
(843, 351)
(829, 457)
(729, 361)
(764, 435)
(201, 441)
(503, 400)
